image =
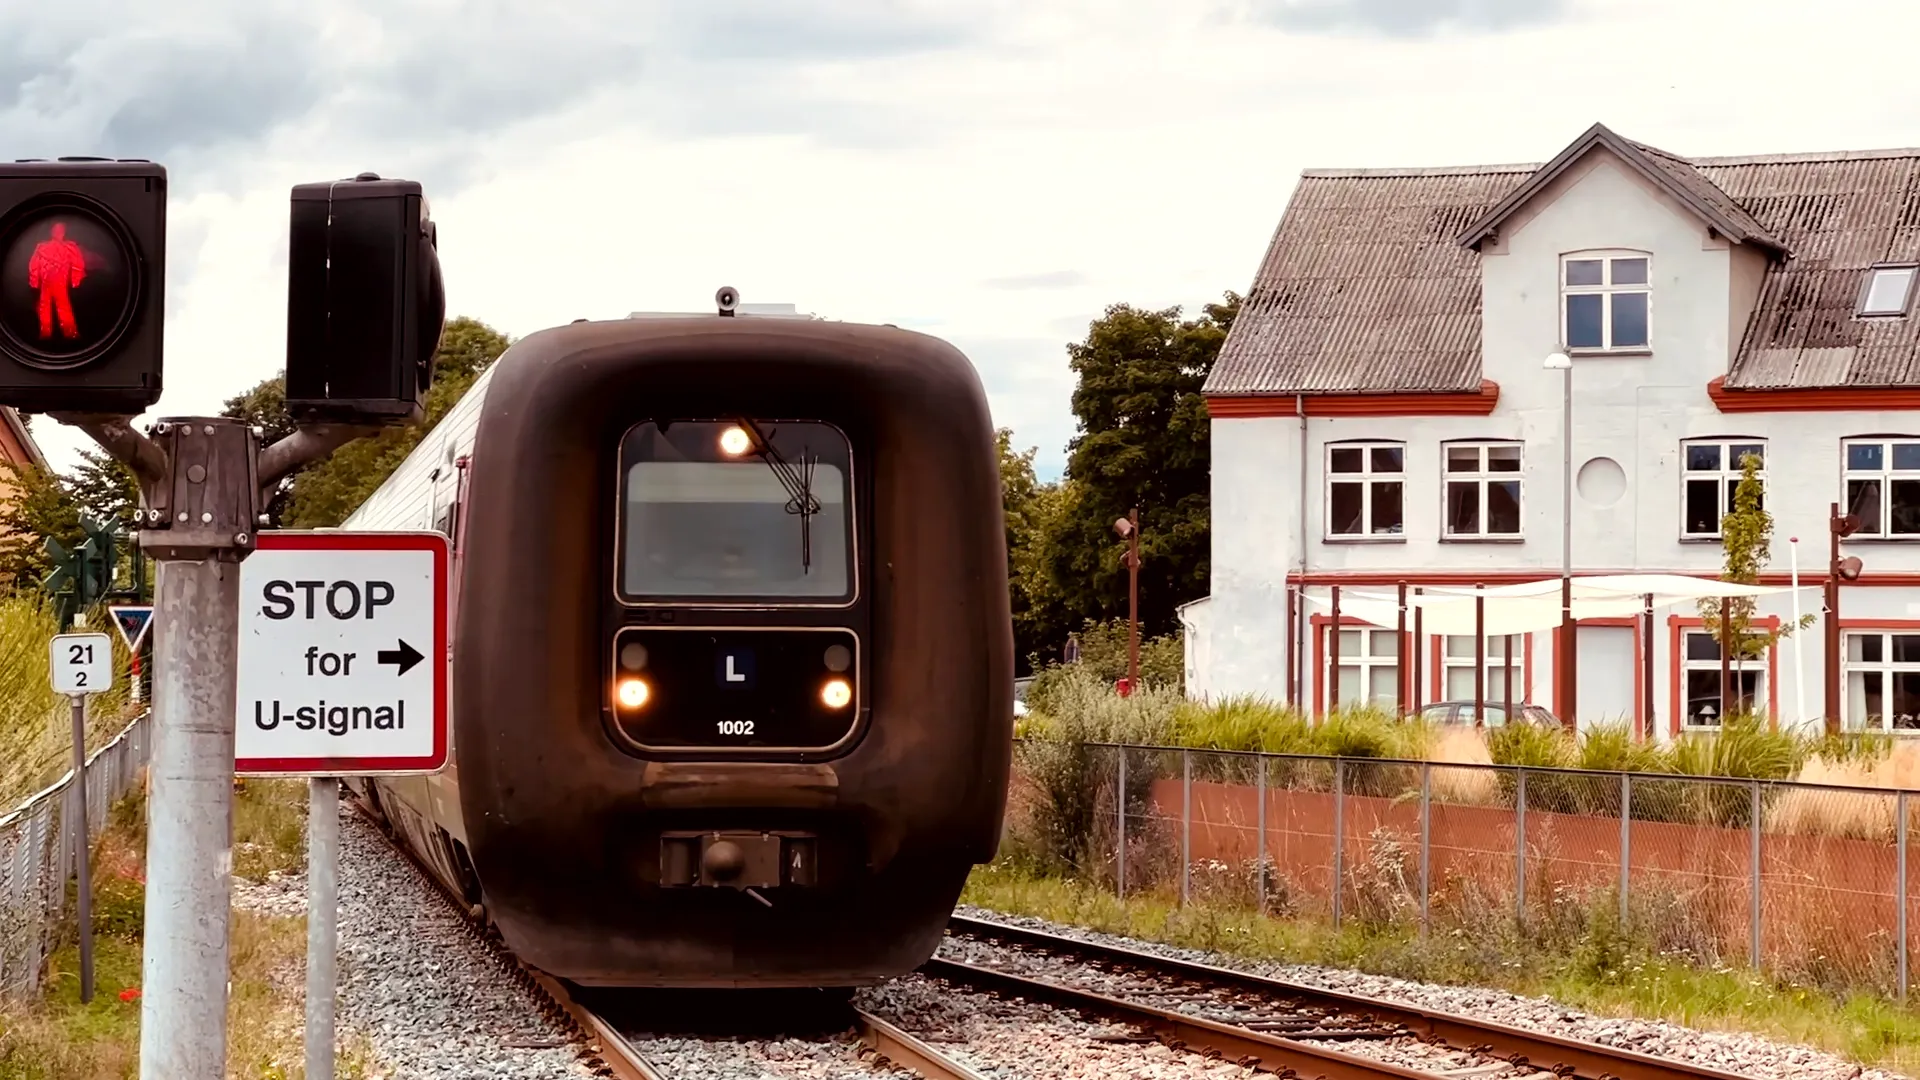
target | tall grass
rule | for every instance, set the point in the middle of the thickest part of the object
(36, 727)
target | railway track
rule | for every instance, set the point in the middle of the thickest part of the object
(607, 1051)
(1276, 1027)
(627, 1059)
(1271, 1024)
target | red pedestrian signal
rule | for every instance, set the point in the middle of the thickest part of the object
(57, 266)
(67, 294)
(82, 264)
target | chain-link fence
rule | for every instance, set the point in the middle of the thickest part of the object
(1807, 881)
(37, 857)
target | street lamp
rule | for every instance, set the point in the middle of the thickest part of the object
(1839, 568)
(1560, 361)
(1129, 529)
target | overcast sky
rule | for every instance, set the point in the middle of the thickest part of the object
(991, 171)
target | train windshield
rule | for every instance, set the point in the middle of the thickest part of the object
(736, 510)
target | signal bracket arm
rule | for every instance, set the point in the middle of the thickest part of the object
(116, 436)
(308, 444)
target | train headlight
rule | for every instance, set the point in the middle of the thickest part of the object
(735, 441)
(632, 693)
(837, 693)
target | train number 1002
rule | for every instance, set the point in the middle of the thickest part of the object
(736, 727)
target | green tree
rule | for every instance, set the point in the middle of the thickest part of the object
(105, 488)
(1032, 511)
(1746, 538)
(1143, 442)
(42, 507)
(324, 493)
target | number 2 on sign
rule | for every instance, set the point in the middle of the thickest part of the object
(82, 664)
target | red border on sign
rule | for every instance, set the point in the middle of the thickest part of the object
(338, 540)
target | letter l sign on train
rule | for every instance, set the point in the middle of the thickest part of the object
(343, 655)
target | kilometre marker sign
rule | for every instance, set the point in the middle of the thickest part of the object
(343, 655)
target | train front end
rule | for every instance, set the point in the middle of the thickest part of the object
(733, 661)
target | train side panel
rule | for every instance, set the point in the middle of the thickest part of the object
(428, 491)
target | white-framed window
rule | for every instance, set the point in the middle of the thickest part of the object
(1366, 489)
(1369, 667)
(1700, 680)
(1883, 486)
(1456, 667)
(1888, 290)
(1883, 680)
(1709, 476)
(1482, 490)
(1605, 301)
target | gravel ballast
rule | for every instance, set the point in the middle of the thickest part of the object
(1748, 1055)
(1023, 1040)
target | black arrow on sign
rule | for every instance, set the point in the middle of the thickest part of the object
(405, 657)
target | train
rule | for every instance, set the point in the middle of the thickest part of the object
(731, 656)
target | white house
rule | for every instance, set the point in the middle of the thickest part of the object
(1382, 415)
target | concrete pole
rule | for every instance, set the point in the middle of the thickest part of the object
(184, 973)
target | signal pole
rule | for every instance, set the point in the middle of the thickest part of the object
(201, 481)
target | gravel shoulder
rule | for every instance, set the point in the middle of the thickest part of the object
(428, 996)
(1750, 1055)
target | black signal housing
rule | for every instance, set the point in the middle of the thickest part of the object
(365, 301)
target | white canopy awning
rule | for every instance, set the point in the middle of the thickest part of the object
(1531, 606)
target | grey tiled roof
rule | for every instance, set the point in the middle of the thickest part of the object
(1368, 285)
(1365, 287)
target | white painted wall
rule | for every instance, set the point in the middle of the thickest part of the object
(1196, 623)
(1635, 410)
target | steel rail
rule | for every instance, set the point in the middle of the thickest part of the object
(1244, 1046)
(908, 1051)
(603, 1039)
(1518, 1046)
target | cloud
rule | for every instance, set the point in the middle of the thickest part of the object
(1407, 19)
(1050, 279)
(203, 85)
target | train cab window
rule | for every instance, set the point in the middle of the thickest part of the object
(731, 511)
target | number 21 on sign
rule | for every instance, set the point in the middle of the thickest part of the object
(82, 663)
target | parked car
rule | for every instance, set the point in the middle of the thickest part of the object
(1494, 712)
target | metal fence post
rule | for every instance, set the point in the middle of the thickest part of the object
(1120, 839)
(1260, 837)
(1626, 843)
(1753, 883)
(1900, 891)
(1186, 821)
(1520, 846)
(1339, 832)
(1426, 842)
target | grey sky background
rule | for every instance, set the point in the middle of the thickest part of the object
(991, 171)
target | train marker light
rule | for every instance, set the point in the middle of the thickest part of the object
(836, 694)
(632, 693)
(633, 656)
(735, 441)
(838, 657)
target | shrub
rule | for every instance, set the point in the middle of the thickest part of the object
(1069, 816)
(1244, 723)
(36, 736)
(1103, 651)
